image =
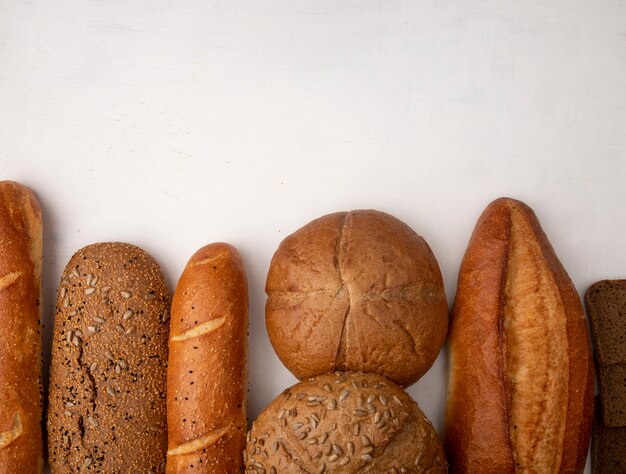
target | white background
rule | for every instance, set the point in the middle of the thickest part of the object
(175, 124)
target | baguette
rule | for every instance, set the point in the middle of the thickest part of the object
(207, 369)
(107, 403)
(20, 330)
(520, 395)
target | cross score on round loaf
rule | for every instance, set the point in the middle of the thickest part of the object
(207, 370)
(520, 393)
(107, 397)
(344, 423)
(20, 330)
(356, 291)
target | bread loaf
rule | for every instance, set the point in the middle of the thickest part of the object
(207, 370)
(20, 330)
(520, 393)
(356, 291)
(606, 305)
(608, 445)
(107, 400)
(344, 423)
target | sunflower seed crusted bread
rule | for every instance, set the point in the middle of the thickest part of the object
(343, 423)
(606, 305)
(107, 398)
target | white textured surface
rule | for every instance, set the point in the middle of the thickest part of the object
(174, 124)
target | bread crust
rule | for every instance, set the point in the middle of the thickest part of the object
(207, 370)
(485, 429)
(20, 330)
(107, 401)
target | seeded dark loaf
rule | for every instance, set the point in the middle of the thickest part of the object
(520, 392)
(207, 370)
(356, 291)
(20, 330)
(344, 423)
(107, 400)
(606, 305)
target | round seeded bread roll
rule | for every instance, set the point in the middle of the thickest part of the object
(344, 423)
(356, 291)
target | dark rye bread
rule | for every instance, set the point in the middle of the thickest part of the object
(107, 403)
(613, 393)
(608, 446)
(606, 305)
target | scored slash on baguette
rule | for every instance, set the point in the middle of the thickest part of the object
(199, 330)
(204, 261)
(9, 279)
(199, 443)
(11, 435)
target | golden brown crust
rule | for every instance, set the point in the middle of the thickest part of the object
(107, 401)
(521, 380)
(207, 371)
(20, 330)
(356, 291)
(580, 406)
(344, 423)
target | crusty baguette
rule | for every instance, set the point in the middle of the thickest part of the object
(20, 330)
(107, 401)
(520, 395)
(207, 369)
